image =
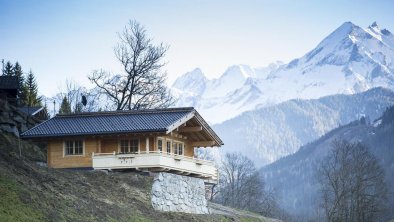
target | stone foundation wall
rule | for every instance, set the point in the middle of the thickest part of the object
(171, 192)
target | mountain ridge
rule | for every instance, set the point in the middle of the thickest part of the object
(293, 176)
(271, 132)
(349, 60)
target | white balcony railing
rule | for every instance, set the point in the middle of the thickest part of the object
(157, 160)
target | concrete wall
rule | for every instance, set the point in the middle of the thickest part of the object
(171, 192)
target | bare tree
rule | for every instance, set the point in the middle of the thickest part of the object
(352, 183)
(240, 184)
(142, 83)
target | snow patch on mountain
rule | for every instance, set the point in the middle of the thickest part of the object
(235, 91)
(350, 60)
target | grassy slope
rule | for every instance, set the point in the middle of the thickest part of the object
(30, 192)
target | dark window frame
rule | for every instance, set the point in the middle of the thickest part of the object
(160, 144)
(127, 146)
(168, 146)
(180, 148)
(74, 148)
(175, 147)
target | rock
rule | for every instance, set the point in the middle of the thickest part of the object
(19, 119)
(23, 128)
(156, 187)
(171, 192)
(9, 129)
(14, 121)
(160, 177)
(5, 128)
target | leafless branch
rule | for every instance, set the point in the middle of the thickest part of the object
(142, 83)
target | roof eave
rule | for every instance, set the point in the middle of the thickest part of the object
(210, 131)
(204, 124)
(37, 111)
(90, 134)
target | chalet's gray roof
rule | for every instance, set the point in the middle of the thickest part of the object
(99, 123)
(8, 82)
(30, 110)
(108, 122)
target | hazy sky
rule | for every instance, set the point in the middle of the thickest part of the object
(67, 39)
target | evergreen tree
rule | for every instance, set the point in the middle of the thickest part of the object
(65, 107)
(46, 113)
(2, 67)
(22, 91)
(32, 98)
(8, 69)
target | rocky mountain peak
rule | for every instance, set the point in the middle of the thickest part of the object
(351, 59)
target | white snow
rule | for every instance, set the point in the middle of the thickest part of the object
(350, 60)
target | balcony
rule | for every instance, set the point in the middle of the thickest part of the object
(157, 161)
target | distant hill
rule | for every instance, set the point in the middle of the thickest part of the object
(268, 133)
(294, 176)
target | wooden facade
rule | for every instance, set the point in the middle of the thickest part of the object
(57, 157)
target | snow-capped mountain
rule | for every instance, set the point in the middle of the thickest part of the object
(234, 92)
(350, 60)
(193, 82)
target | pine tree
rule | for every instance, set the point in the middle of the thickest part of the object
(46, 113)
(65, 107)
(2, 67)
(22, 91)
(32, 98)
(8, 69)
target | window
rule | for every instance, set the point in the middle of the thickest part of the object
(175, 147)
(129, 146)
(168, 146)
(73, 147)
(180, 149)
(134, 146)
(124, 146)
(160, 145)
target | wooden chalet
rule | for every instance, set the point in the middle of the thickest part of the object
(151, 140)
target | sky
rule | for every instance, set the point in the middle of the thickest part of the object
(68, 39)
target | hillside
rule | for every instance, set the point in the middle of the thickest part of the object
(269, 133)
(32, 192)
(294, 175)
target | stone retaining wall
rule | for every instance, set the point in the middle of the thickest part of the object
(171, 192)
(14, 121)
